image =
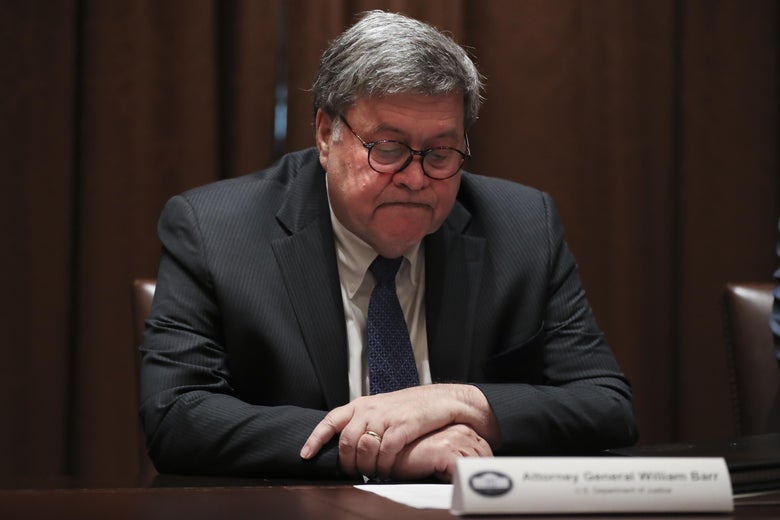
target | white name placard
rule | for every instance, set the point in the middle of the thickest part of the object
(519, 485)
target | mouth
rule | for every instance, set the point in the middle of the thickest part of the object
(407, 204)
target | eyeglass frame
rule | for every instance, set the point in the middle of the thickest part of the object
(412, 152)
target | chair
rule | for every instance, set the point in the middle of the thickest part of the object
(143, 293)
(754, 369)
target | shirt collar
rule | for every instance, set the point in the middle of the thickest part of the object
(354, 256)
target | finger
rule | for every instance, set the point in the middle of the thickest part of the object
(394, 440)
(366, 454)
(450, 464)
(476, 446)
(329, 426)
(348, 445)
(412, 462)
(484, 449)
(473, 446)
(349, 441)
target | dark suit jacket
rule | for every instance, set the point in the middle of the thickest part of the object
(246, 349)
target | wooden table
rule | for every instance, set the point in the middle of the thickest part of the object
(173, 498)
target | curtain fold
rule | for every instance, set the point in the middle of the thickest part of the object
(653, 124)
(36, 187)
(729, 180)
(580, 104)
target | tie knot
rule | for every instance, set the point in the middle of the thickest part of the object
(385, 269)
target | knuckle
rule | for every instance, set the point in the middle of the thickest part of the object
(345, 443)
(363, 449)
(329, 420)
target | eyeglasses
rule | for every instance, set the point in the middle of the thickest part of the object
(390, 157)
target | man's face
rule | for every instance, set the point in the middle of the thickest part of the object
(391, 212)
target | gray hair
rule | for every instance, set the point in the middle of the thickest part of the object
(385, 54)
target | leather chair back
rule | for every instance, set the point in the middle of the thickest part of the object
(143, 293)
(753, 366)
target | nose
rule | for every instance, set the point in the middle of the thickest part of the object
(412, 177)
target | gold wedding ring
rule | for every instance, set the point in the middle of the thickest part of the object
(374, 435)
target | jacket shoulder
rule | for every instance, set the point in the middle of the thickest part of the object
(501, 202)
(276, 177)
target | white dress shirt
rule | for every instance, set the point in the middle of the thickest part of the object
(354, 257)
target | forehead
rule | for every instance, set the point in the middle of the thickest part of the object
(410, 114)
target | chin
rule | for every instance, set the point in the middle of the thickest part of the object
(401, 231)
(394, 246)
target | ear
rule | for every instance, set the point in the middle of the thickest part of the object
(323, 132)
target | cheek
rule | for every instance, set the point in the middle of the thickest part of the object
(352, 194)
(355, 187)
(445, 198)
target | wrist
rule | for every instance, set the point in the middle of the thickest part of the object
(476, 412)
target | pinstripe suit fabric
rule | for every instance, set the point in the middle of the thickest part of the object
(246, 350)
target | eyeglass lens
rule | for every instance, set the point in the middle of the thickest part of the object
(392, 157)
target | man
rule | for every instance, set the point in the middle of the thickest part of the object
(261, 348)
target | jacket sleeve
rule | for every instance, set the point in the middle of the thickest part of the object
(193, 420)
(577, 399)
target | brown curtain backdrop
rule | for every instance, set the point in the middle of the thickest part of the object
(653, 123)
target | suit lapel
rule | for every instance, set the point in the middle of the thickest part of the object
(453, 269)
(307, 261)
(453, 266)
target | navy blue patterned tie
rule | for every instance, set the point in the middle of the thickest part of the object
(391, 364)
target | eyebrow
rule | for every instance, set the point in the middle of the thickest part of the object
(383, 127)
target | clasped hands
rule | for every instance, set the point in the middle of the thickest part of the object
(409, 434)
